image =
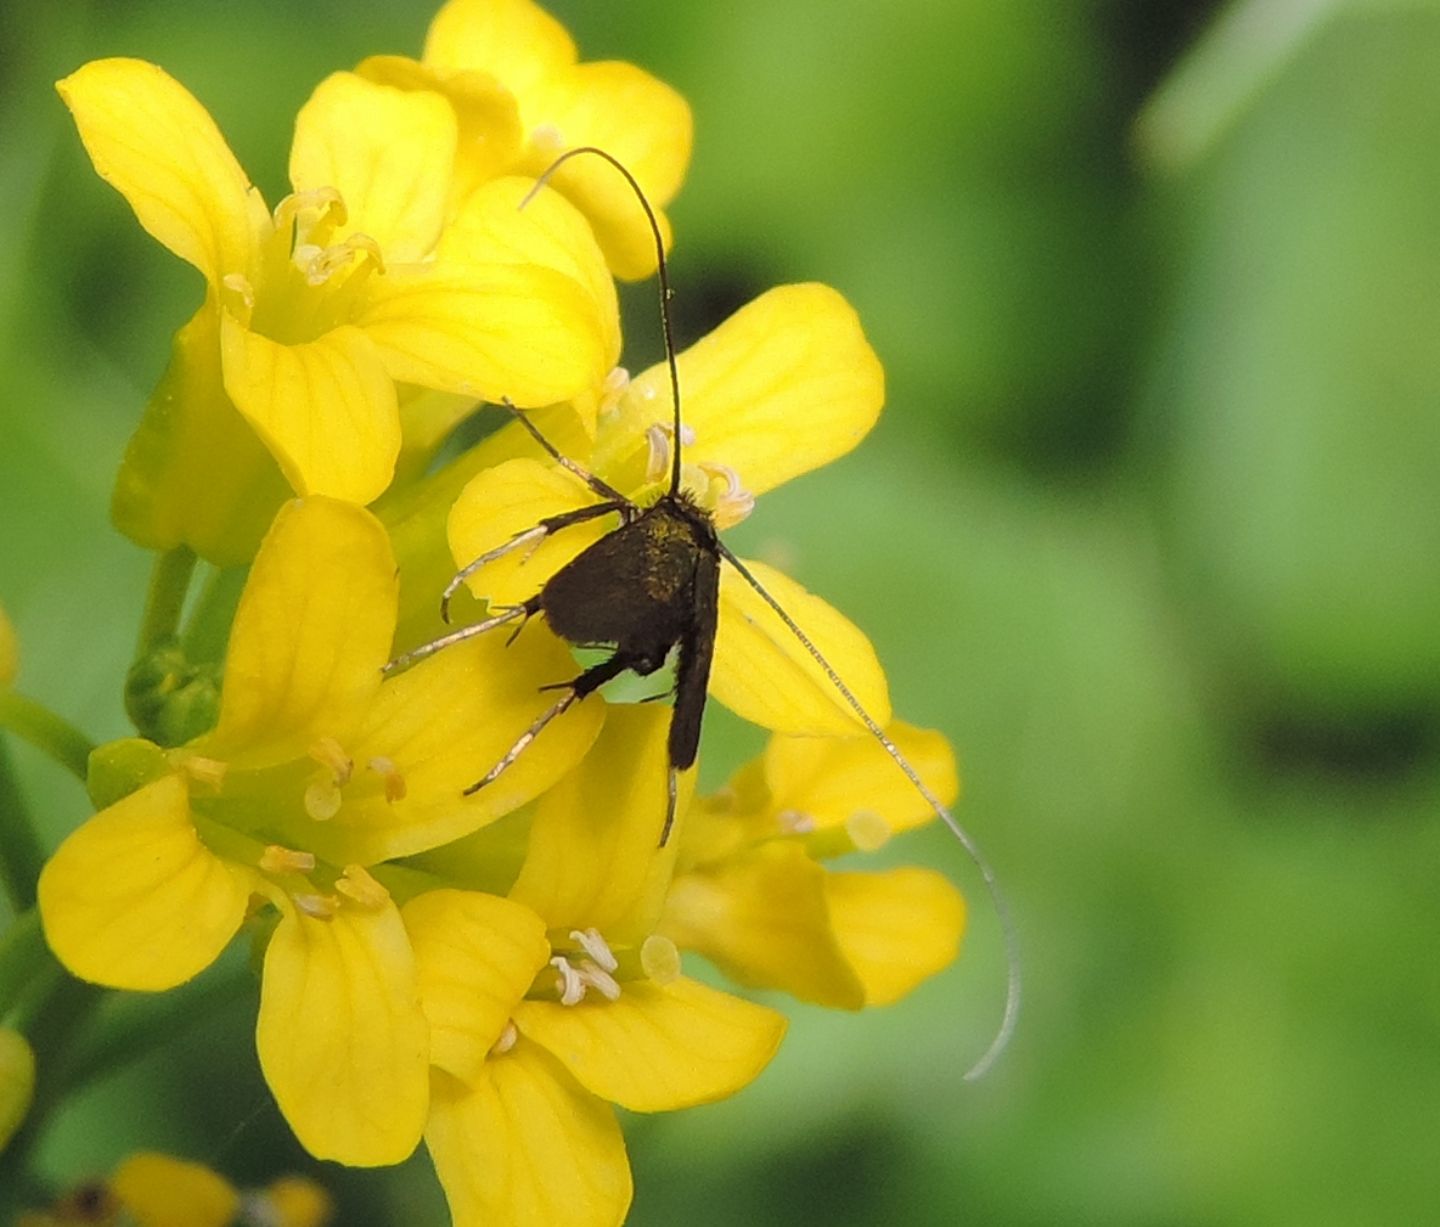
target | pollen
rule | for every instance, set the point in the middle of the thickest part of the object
(867, 830)
(356, 884)
(278, 860)
(660, 959)
(390, 774)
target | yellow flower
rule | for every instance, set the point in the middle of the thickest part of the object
(17, 1082)
(548, 1005)
(315, 312)
(786, 384)
(157, 1190)
(751, 895)
(316, 769)
(520, 97)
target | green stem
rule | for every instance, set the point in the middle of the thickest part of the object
(26, 965)
(43, 729)
(208, 628)
(169, 583)
(21, 855)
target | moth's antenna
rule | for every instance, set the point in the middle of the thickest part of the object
(663, 273)
(972, 849)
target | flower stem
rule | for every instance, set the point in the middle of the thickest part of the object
(169, 583)
(21, 855)
(43, 729)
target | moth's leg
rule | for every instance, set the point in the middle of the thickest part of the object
(603, 488)
(526, 611)
(672, 793)
(587, 683)
(550, 524)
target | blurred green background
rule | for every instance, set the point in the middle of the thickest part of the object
(1151, 528)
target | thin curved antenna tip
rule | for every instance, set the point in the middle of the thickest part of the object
(662, 273)
(998, 900)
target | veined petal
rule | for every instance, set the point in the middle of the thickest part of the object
(342, 1039)
(527, 1147)
(639, 119)
(511, 498)
(492, 228)
(134, 900)
(476, 956)
(491, 331)
(162, 1191)
(829, 779)
(158, 147)
(442, 726)
(657, 1048)
(594, 858)
(763, 917)
(326, 408)
(786, 384)
(488, 142)
(763, 673)
(515, 41)
(311, 632)
(897, 927)
(195, 472)
(388, 151)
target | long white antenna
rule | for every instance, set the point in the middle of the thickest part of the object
(967, 841)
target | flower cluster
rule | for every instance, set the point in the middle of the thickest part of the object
(489, 970)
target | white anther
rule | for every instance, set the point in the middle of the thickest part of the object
(276, 859)
(330, 754)
(320, 907)
(596, 947)
(547, 138)
(509, 1037)
(570, 985)
(238, 286)
(867, 830)
(795, 822)
(599, 979)
(735, 503)
(386, 769)
(612, 390)
(356, 884)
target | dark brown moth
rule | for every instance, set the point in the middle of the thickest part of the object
(651, 587)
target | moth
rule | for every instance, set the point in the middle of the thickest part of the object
(650, 588)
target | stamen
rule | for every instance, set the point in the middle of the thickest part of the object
(660, 959)
(386, 769)
(547, 139)
(596, 947)
(794, 822)
(329, 753)
(319, 907)
(237, 292)
(658, 440)
(867, 830)
(599, 979)
(508, 1039)
(570, 985)
(359, 887)
(207, 771)
(612, 390)
(324, 202)
(278, 860)
(735, 503)
(323, 798)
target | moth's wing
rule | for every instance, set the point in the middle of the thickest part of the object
(697, 650)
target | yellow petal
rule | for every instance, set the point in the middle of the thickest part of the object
(134, 900)
(17, 1082)
(195, 473)
(326, 408)
(161, 1191)
(294, 1201)
(343, 1043)
(491, 227)
(159, 148)
(388, 151)
(829, 780)
(516, 41)
(657, 1048)
(311, 633)
(443, 725)
(476, 957)
(763, 918)
(527, 1147)
(786, 384)
(489, 331)
(639, 119)
(763, 673)
(594, 858)
(897, 927)
(488, 134)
